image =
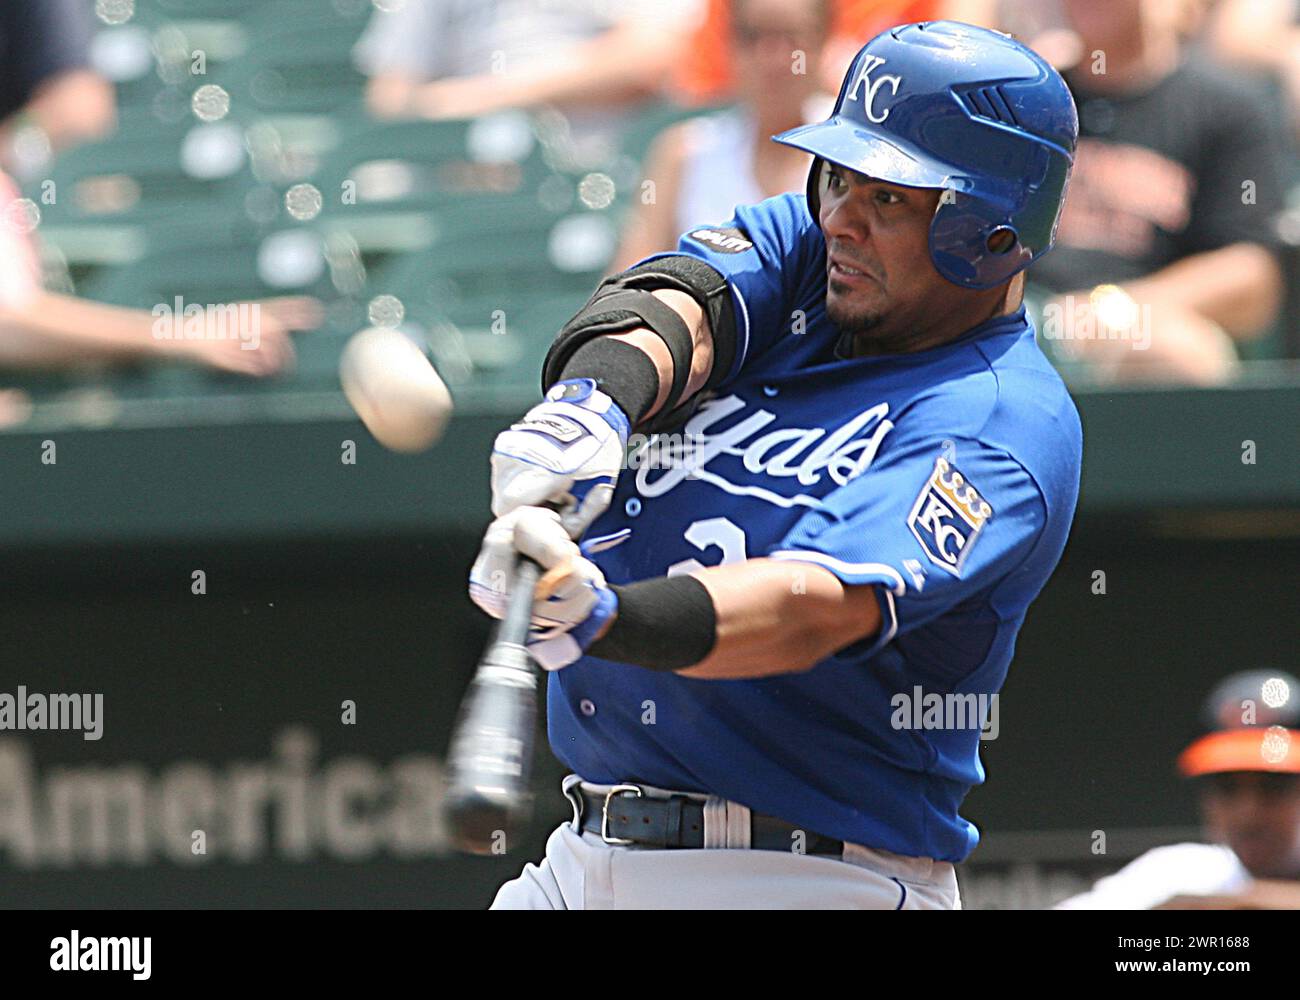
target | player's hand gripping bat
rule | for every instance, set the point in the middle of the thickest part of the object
(490, 793)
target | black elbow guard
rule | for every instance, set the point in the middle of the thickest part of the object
(624, 302)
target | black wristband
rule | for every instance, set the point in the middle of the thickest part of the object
(667, 623)
(624, 372)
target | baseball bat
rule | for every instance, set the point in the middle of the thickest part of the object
(490, 791)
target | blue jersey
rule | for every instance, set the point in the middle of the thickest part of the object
(946, 479)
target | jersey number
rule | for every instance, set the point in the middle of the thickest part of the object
(712, 531)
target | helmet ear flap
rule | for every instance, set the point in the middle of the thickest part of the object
(814, 189)
(975, 244)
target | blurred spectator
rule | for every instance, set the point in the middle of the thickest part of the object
(1264, 34)
(709, 73)
(465, 58)
(1042, 26)
(1247, 768)
(44, 330)
(49, 98)
(1166, 254)
(702, 168)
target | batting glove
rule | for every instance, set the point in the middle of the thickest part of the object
(572, 444)
(572, 602)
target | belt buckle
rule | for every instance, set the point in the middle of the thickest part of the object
(604, 813)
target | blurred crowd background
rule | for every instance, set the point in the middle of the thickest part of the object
(469, 170)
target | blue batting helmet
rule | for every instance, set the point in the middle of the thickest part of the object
(971, 111)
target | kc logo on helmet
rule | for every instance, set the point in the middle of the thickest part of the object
(863, 74)
(948, 517)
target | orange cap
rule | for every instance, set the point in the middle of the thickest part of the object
(1274, 748)
(1252, 723)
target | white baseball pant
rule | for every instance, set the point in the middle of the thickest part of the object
(582, 872)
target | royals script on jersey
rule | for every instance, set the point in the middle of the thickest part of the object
(945, 479)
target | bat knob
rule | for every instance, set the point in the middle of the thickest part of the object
(484, 820)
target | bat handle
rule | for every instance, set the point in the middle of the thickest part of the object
(490, 792)
(519, 608)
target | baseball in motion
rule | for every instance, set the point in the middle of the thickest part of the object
(395, 389)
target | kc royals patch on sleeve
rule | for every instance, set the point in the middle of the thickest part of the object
(948, 517)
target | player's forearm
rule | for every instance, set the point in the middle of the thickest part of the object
(776, 617)
(1238, 286)
(654, 348)
(50, 330)
(757, 618)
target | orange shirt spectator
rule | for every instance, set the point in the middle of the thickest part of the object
(708, 75)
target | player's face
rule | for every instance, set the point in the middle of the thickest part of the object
(880, 281)
(1258, 816)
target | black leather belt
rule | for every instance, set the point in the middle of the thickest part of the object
(627, 815)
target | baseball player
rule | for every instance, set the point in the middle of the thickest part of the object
(1247, 769)
(861, 472)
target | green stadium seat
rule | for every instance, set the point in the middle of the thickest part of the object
(496, 265)
(405, 166)
(201, 8)
(299, 59)
(497, 320)
(156, 61)
(346, 17)
(148, 170)
(288, 261)
(644, 127)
